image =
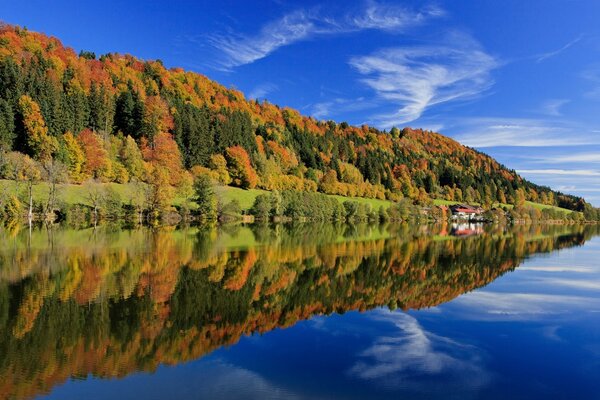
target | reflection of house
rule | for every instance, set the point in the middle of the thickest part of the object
(466, 211)
(466, 229)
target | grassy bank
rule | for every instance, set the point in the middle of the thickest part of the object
(78, 194)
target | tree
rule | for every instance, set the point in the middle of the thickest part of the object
(161, 192)
(97, 162)
(205, 198)
(129, 112)
(139, 198)
(157, 118)
(218, 163)
(22, 168)
(240, 169)
(164, 154)
(96, 195)
(261, 209)
(73, 157)
(102, 109)
(329, 182)
(7, 125)
(41, 145)
(54, 172)
(519, 198)
(131, 157)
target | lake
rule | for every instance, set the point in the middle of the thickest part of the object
(305, 311)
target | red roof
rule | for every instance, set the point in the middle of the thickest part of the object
(467, 210)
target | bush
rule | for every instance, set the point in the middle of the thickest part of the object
(262, 207)
(231, 210)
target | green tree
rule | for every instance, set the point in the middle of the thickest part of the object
(205, 198)
(7, 125)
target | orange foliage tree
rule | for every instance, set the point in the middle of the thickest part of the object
(240, 168)
(165, 154)
(97, 161)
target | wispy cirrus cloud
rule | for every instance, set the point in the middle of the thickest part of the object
(417, 77)
(521, 132)
(260, 91)
(552, 107)
(570, 158)
(241, 49)
(554, 171)
(544, 56)
(326, 109)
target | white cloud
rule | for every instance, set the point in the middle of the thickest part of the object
(418, 77)
(260, 91)
(327, 109)
(574, 157)
(521, 132)
(544, 56)
(552, 107)
(239, 49)
(572, 172)
(592, 75)
(388, 17)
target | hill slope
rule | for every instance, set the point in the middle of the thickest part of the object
(118, 118)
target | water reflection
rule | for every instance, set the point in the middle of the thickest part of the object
(110, 302)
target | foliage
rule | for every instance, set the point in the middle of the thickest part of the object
(240, 169)
(205, 198)
(41, 145)
(179, 119)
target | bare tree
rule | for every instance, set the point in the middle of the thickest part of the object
(139, 198)
(23, 168)
(95, 194)
(55, 172)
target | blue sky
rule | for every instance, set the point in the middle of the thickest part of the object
(519, 80)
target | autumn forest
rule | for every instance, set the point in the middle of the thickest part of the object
(69, 120)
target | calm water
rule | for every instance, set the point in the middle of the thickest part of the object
(309, 311)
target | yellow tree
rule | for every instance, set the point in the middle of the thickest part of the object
(74, 157)
(161, 192)
(41, 144)
(519, 198)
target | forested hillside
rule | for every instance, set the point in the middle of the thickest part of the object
(115, 118)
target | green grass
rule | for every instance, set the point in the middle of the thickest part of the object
(375, 203)
(67, 193)
(77, 194)
(545, 206)
(442, 202)
(246, 197)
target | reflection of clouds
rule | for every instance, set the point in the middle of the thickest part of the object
(419, 360)
(551, 333)
(574, 283)
(557, 269)
(221, 380)
(485, 305)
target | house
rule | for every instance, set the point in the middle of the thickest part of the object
(466, 211)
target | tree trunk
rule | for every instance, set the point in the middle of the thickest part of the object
(30, 213)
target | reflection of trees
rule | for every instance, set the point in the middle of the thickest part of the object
(113, 302)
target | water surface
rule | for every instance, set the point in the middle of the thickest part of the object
(304, 311)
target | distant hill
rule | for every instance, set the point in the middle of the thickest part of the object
(116, 118)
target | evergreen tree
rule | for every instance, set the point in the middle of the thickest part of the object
(204, 196)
